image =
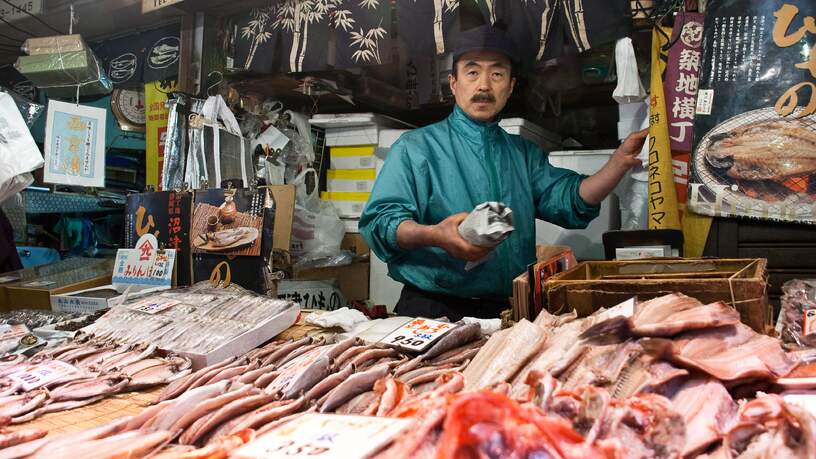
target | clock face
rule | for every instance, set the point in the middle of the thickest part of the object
(130, 105)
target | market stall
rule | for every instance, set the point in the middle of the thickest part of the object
(383, 229)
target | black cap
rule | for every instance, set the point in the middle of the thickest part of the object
(485, 38)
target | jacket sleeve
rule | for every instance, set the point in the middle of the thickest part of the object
(399, 194)
(555, 193)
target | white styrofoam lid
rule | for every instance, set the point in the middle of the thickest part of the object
(533, 128)
(389, 136)
(341, 120)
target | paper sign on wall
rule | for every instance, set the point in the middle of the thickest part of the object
(74, 145)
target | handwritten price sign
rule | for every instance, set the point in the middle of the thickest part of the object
(325, 436)
(153, 307)
(10, 332)
(417, 334)
(41, 374)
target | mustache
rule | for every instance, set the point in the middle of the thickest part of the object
(483, 98)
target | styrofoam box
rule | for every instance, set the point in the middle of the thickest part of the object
(382, 289)
(84, 304)
(350, 180)
(352, 225)
(587, 244)
(532, 132)
(347, 204)
(359, 156)
(247, 341)
(352, 136)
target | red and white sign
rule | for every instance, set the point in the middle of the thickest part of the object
(417, 334)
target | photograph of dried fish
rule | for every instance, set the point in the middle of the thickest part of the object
(759, 155)
(755, 160)
(228, 222)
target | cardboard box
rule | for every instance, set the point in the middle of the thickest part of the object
(53, 45)
(284, 196)
(596, 284)
(356, 244)
(347, 204)
(353, 278)
(37, 285)
(350, 180)
(353, 157)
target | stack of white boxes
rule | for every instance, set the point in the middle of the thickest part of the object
(352, 139)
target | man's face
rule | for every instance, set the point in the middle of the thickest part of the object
(482, 83)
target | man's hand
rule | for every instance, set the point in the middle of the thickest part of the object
(597, 187)
(625, 157)
(447, 237)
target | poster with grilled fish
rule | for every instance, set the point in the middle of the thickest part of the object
(228, 221)
(755, 125)
(236, 261)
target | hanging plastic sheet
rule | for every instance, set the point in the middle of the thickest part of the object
(174, 169)
(31, 111)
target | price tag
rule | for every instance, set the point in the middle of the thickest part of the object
(9, 332)
(39, 284)
(417, 334)
(325, 436)
(41, 374)
(153, 307)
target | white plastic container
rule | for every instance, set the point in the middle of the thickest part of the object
(587, 244)
(543, 138)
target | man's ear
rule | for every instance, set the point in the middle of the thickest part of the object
(512, 84)
(452, 83)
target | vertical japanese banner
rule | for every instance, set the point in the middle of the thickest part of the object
(680, 87)
(156, 130)
(663, 211)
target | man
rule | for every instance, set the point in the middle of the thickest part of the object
(434, 176)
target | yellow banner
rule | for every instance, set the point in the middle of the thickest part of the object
(156, 128)
(663, 210)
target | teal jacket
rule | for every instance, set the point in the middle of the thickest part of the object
(450, 167)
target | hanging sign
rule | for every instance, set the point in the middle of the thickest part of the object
(153, 5)
(74, 145)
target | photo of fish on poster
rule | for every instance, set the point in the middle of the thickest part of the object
(754, 152)
(228, 222)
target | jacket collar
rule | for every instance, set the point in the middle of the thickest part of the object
(469, 127)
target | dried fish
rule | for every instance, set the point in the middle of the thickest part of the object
(88, 388)
(210, 405)
(457, 337)
(328, 383)
(8, 439)
(355, 384)
(226, 412)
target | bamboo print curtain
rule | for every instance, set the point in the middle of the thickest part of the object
(252, 41)
(362, 28)
(541, 28)
(427, 27)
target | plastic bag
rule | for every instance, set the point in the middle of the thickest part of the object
(317, 231)
(29, 110)
(19, 153)
(487, 225)
(797, 319)
(629, 88)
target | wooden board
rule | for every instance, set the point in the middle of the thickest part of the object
(96, 414)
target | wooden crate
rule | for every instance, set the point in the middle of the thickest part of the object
(591, 285)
